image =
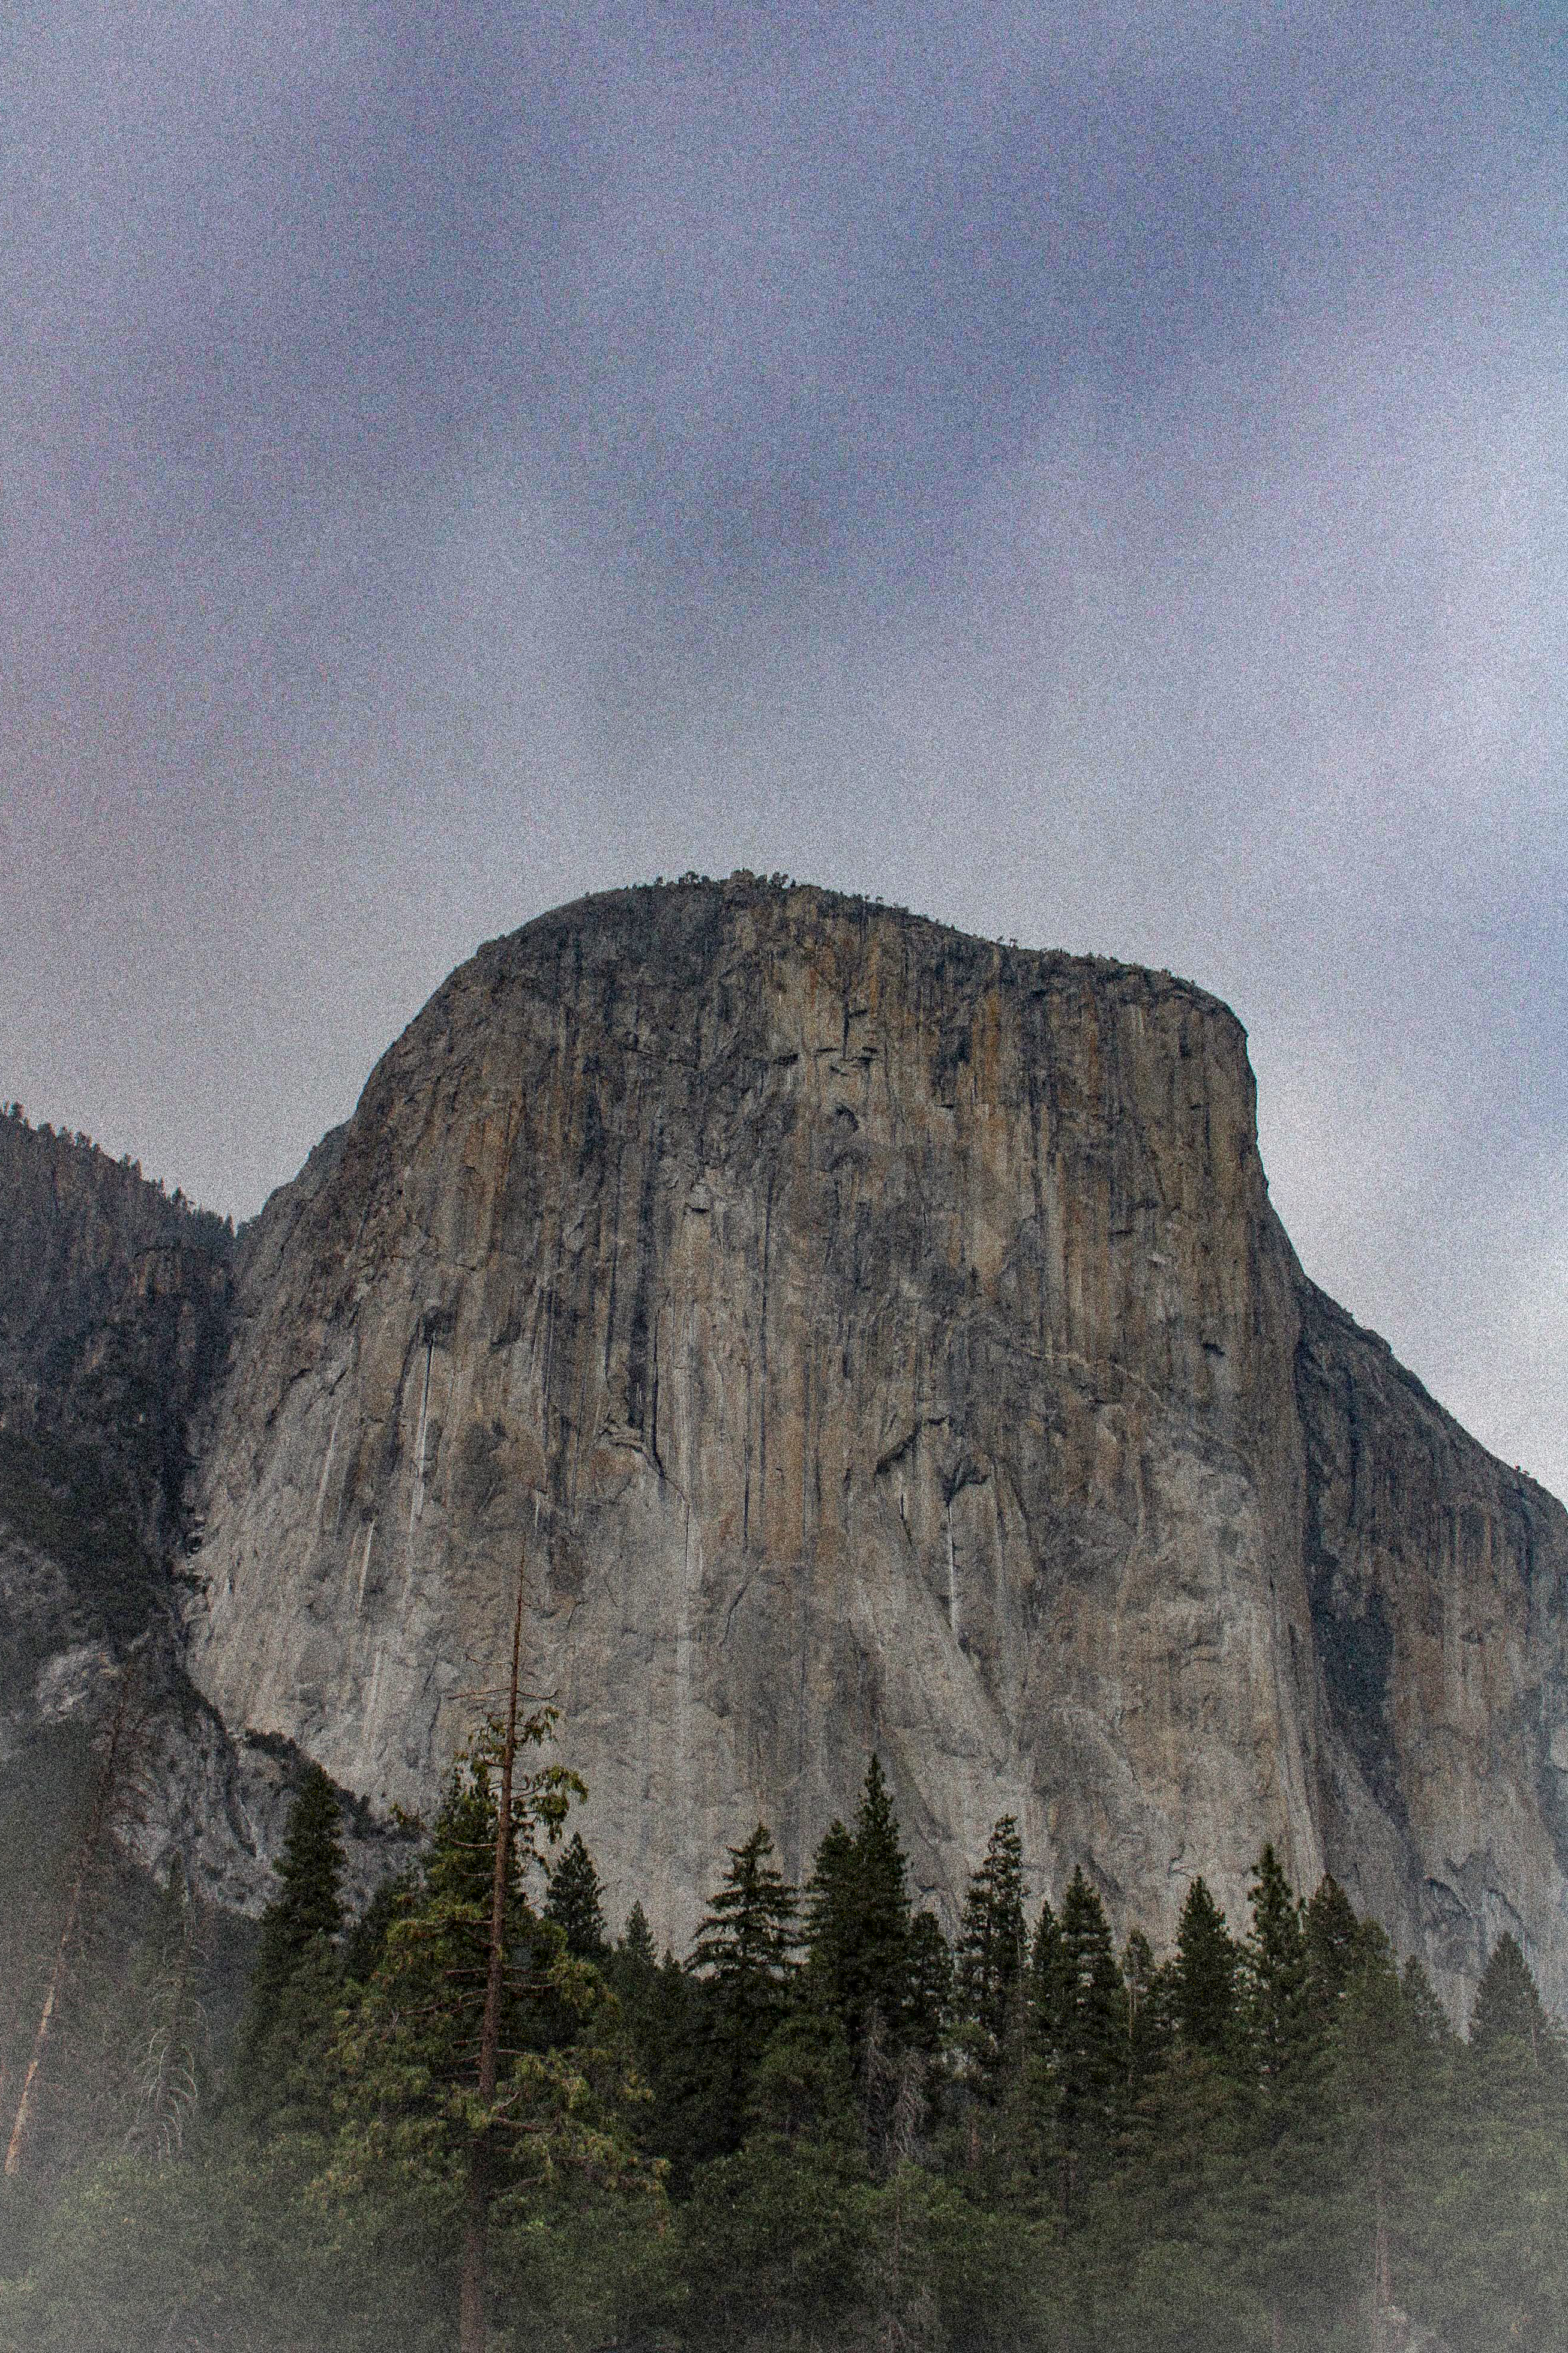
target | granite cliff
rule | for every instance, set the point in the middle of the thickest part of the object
(879, 1337)
(116, 1302)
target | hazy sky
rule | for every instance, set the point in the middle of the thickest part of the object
(1094, 475)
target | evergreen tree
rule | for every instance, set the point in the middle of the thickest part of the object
(1430, 2020)
(828, 1923)
(1044, 1977)
(1501, 2253)
(992, 1947)
(573, 1903)
(1274, 1982)
(802, 2086)
(1386, 2087)
(1149, 1994)
(297, 1976)
(1335, 1944)
(636, 1946)
(878, 1977)
(452, 2067)
(1288, 2161)
(1089, 2045)
(365, 1941)
(631, 1967)
(931, 1984)
(858, 1926)
(307, 1906)
(1507, 2008)
(685, 2061)
(744, 1954)
(1203, 1974)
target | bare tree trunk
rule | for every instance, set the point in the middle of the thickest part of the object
(471, 2310)
(97, 1821)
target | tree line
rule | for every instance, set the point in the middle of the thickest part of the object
(469, 2113)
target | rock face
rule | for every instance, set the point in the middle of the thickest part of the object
(114, 1312)
(880, 1338)
(114, 1316)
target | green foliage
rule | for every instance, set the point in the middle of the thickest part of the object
(1334, 1945)
(1275, 2021)
(405, 2058)
(1203, 1974)
(1151, 2023)
(365, 1941)
(635, 1951)
(744, 1954)
(931, 1984)
(574, 1904)
(992, 1945)
(1087, 2042)
(1508, 2008)
(862, 1962)
(1233, 2149)
(859, 1926)
(773, 2246)
(297, 1977)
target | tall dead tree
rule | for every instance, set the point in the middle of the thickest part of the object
(108, 1799)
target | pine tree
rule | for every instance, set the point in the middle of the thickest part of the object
(931, 1984)
(456, 2083)
(1149, 2011)
(632, 1964)
(1044, 1977)
(636, 1944)
(1507, 2008)
(682, 2057)
(365, 1941)
(1335, 1944)
(878, 1977)
(1089, 2053)
(1274, 1975)
(828, 1921)
(744, 1954)
(1287, 2159)
(992, 1947)
(1385, 2083)
(1502, 2217)
(573, 1903)
(1203, 1974)
(858, 1927)
(297, 1979)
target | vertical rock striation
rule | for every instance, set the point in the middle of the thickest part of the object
(880, 1338)
(113, 1314)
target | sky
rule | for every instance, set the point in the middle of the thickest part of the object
(1093, 475)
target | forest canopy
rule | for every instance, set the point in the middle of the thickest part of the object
(826, 2125)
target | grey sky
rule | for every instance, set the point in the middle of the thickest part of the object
(1093, 475)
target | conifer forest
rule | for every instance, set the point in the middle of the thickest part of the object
(470, 2111)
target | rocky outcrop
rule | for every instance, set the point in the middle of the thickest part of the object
(115, 1303)
(114, 1317)
(1438, 1580)
(877, 1339)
